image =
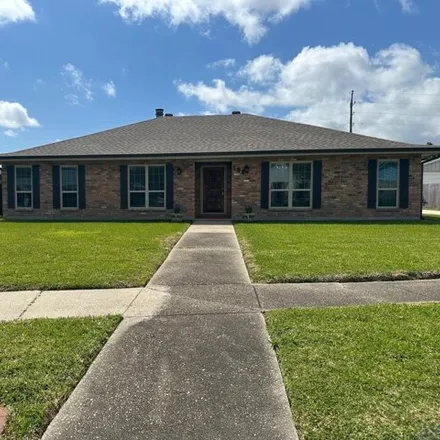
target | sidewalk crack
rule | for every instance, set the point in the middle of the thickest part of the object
(30, 304)
(256, 296)
(132, 301)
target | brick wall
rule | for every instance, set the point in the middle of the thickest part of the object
(344, 191)
(103, 193)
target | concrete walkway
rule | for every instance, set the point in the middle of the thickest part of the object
(191, 360)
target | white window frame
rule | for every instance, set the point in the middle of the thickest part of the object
(69, 208)
(147, 190)
(290, 188)
(397, 189)
(24, 192)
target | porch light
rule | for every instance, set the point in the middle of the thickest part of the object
(245, 169)
(178, 170)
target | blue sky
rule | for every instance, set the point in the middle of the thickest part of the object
(74, 67)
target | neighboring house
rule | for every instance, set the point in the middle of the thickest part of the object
(215, 167)
(431, 184)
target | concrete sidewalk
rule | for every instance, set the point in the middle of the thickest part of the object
(65, 303)
(209, 298)
(431, 212)
(191, 360)
(280, 296)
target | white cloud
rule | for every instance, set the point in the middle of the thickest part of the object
(75, 79)
(110, 88)
(408, 6)
(13, 116)
(226, 63)
(13, 11)
(10, 133)
(250, 16)
(263, 69)
(4, 64)
(397, 92)
(72, 99)
(220, 98)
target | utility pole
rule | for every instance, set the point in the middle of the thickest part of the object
(352, 103)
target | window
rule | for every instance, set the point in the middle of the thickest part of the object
(69, 187)
(147, 186)
(387, 183)
(291, 185)
(23, 187)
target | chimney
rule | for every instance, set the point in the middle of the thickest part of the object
(168, 114)
(159, 112)
(236, 112)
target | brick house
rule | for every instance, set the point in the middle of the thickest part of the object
(215, 167)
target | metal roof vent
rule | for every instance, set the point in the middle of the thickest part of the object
(236, 112)
(168, 114)
(159, 112)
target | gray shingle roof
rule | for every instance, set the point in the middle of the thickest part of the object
(211, 135)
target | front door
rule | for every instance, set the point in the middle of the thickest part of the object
(213, 190)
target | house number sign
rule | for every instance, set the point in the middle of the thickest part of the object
(244, 170)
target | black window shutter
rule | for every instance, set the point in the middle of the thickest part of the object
(372, 183)
(317, 183)
(36, 185)
(82, 186)
(170, 185)
(10, 171)
(56, 186)
(404, 184)
(264, 201)
(124, 186)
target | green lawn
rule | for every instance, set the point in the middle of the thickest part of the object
(41, 361)
(361, 372)
(72, 255)
(296, 252)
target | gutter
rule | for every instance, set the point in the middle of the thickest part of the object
(425, 151)
(431, 159)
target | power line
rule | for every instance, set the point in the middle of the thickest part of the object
(398, 114)
(421, 94)
(403, 125)
(338, 106)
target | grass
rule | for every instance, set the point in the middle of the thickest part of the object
(45, 255)
(361, 372)
(301, 252)
(41, 361)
